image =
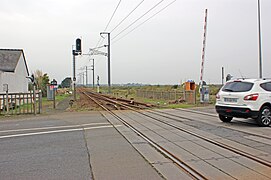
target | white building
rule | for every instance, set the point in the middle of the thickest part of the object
(13, 71)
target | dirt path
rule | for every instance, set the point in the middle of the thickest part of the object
(60, 107)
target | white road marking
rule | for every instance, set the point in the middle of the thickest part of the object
(51, 127)
(57, 131)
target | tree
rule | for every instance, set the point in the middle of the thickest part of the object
(66, 83)
(228, 77)
(42, 80)
(175, 86)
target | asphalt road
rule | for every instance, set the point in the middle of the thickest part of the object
(84, 145)
(68, 146)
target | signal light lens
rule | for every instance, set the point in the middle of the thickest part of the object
(78, 45)
(217, 96)
(251, 97)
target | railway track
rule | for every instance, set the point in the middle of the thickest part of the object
(225, 146)
(118, 104)
(165, 119)
(186, 168)
(187, 117)
(216, 116)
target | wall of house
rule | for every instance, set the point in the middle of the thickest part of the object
(17, 81)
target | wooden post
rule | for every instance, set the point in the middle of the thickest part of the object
(27, 103)
(23, 105)
(40, 101)
(54, 98)
(7, 105)
(31, 102)
(20, 103)
(34, 99)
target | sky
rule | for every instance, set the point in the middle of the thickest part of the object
(166, 49)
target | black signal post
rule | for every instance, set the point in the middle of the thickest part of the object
(75, 52)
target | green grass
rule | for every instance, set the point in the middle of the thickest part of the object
(164, 103)
(59, 98)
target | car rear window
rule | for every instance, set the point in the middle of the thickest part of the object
(266, 86)
(237, 86)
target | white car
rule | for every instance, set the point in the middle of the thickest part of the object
(245, 98)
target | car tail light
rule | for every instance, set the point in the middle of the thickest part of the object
(251, 97)
(217, 96)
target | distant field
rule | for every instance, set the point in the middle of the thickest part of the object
(130, 93)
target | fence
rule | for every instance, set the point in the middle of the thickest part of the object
(187, 96)
(20, 103)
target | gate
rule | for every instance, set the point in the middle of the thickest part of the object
(20, 103)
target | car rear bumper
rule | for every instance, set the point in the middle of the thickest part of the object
(236, 112)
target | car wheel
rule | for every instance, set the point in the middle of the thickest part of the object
(225, 118)
(264, 118)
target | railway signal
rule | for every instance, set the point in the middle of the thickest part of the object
(75, 52)
(78, 46)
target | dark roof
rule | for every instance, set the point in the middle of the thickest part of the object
(9, 59)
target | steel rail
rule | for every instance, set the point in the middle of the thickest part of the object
(112, 104)
(125, 100)
(210, 115)
(115, 102)
(222, 145)
(185, 167)
(120, 99)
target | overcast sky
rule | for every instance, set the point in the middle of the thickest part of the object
(164, 50)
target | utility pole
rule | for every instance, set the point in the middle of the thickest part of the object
(87, 68)
(83, 75)
(86, 76)
(260, 43)
(98, 84)
(93, 78)
(108, 58)
(81, 78)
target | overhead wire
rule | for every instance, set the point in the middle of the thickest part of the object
(99, 41)
(98, 44)
(144, 22)
(138, 19)
(112, 16)
(126, 16)
(108, 24)
(102, 39)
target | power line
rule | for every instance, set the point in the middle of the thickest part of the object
(112, 16)
(138, 19)
(100, 41)
(127, 16)
(144, 22)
